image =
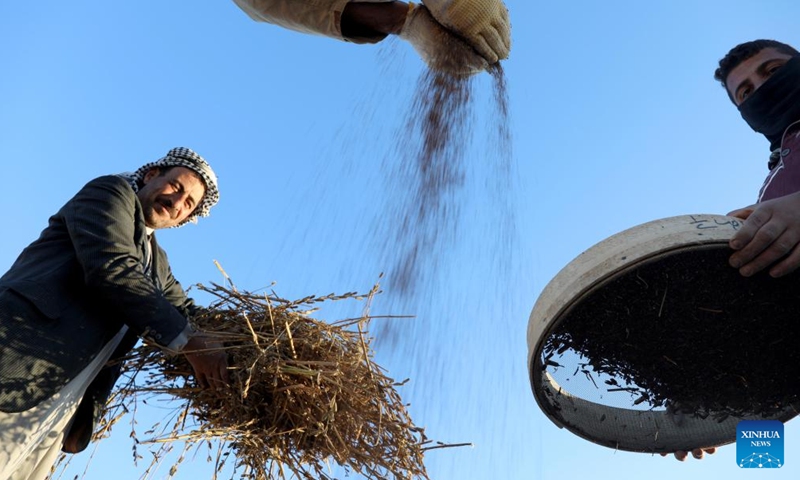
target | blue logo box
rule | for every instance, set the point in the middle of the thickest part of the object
(759, 444)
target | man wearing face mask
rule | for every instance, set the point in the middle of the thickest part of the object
(92, 284)
(762, 78)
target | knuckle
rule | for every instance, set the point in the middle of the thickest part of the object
(759, 217)
(783, 246)
(770, 231)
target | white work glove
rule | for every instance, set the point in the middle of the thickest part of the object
(483, 24)
(439, 48)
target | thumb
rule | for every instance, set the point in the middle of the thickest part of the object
(742, 213)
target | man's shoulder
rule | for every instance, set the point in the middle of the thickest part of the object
(793, 132)
(111, 185)
(117, 181)
(106, 192)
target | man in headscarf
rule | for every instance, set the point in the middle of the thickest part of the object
(462, 37)
(94, 282)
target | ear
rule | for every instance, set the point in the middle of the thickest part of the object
(153, 172)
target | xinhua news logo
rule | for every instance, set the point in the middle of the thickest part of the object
(759, 444)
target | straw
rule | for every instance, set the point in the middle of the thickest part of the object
(303, 393)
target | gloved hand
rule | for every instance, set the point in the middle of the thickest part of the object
(483, 24)
(439, 48)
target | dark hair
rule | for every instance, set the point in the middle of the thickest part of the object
(742, 52)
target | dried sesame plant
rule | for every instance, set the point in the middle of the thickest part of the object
(303, 393)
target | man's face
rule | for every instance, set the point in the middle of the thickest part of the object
(169, 199)
(753, 72)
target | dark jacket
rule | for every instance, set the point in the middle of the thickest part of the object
(784, 176)
(71, 290)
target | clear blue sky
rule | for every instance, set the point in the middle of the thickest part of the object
(616, 120)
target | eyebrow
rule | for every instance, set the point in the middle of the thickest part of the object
(762, 69)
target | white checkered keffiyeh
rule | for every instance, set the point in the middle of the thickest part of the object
(184, 157)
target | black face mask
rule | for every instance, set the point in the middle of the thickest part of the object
(776, 103)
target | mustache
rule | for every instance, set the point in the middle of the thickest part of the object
(169, 206)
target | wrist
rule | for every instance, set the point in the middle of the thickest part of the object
(360, 20)
(180, 342)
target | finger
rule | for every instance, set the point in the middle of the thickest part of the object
(215, 379)
(776, 246)
(788, 264)
(482, 46)
(495, 41)
(742, 213)
(504, 25)
(711, 451)
(755, 221)
(761, 236)
(202, 381)
(680, 455)
(216, 372)
(223, 373)
(697, 453)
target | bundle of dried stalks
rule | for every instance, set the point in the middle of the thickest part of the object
(303, 392)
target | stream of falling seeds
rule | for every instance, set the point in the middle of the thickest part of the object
(426, 217)
(428, 174)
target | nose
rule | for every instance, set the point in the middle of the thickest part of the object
(174, 203)
(757, 82)
(178, 202)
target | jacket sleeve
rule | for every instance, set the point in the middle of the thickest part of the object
(319, 17)
(101, 221)
(176, 295)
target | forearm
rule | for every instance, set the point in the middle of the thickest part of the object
(175, 294)
(355, 21)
